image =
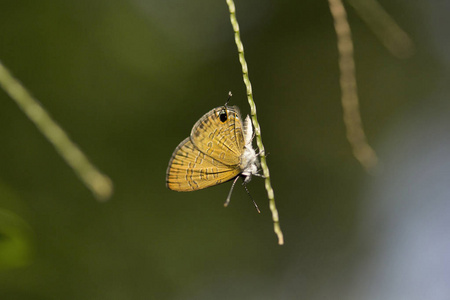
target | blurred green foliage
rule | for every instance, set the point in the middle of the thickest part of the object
(16, 238)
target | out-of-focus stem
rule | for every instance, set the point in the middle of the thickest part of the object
(100, 185)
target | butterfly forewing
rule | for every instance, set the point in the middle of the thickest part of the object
(219, 135)
(190, 169)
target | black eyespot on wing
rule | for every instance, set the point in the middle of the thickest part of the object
(223, 116)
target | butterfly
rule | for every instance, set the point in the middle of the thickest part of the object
(218, 150)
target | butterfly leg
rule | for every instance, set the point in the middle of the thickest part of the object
(261, 152)
(248, 192)
(259, 175)
(231, 190)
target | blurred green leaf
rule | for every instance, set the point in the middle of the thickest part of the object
(15, 233)
(15, 241)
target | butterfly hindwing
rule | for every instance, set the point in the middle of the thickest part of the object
(219, 134)
(190, 169)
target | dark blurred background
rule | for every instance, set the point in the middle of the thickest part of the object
(128, 79)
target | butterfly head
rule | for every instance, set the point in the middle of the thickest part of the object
(222, 114)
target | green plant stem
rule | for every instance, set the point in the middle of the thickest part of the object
(265, 168)
(100, 185)
(391, 35)
(362, 151)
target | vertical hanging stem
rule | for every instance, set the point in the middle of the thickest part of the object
(350, 103)
(248, 85)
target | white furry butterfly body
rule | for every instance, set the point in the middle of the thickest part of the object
(249, 160)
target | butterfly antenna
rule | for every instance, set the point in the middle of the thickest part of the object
(229, 97)
(248, 192)
(229, 194)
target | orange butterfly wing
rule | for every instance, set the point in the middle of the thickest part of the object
(219, 134)
(190, 169)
